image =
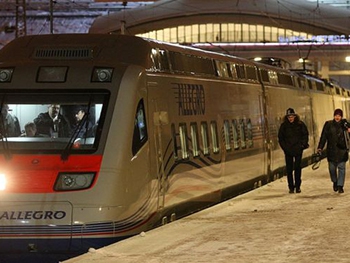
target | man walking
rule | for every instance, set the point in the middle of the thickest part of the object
(335, 133)
(293, 138)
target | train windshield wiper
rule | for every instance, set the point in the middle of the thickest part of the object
(66, 151)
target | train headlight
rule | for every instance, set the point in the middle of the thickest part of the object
(6, 74)
(2, 182)
(73, 181)
(102, 75)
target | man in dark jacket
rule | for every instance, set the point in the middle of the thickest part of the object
(335, 134)
(52, 123)
(9, 125)
(293, 137)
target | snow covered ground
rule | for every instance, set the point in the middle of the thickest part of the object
(264, 225)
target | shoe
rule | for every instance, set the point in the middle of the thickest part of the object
(335, 187)
(341, 190)
(298, 191)
(291, 191)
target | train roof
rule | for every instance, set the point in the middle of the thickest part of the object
(76, 46)
(106, 49)
(103, 46)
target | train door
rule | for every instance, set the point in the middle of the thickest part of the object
(158, 115)
(268, 141)
(160, 119)
(275, 110)
(139, 179)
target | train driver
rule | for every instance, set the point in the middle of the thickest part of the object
(84, 127)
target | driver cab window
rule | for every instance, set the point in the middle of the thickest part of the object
(49, 121)
(140, 135)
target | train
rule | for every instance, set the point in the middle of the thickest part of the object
(175, 130)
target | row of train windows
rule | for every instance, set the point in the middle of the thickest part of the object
(321, 86)
(191, 64)
(205, 138)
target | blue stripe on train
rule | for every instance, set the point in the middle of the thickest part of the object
(48, 250)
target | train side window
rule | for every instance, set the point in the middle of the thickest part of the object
(240, 71)
(227, 132)
(343, 92)
(310, 84)
(205, 141)
(285, 79)
(155, 59)
(233, 70)
(242, 134)
(160, 60)
(273, 77)
(337, 90)
(140, 135)
(235, 134)
(320, 86)
(296, 81)
(194, 138)
(163, 60)
(177, 62)
(264, 75)
(251, 73)
(173, 135)
(228, 68)
(214, 136)
(221, 68)
(202, 65)
(183, 141)
(249, 133)
(191, 64)
(302, 83)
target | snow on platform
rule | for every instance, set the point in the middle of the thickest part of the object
(264, 225)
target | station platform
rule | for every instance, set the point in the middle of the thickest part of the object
(264, 225)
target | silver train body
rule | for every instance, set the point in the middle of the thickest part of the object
(178, 130)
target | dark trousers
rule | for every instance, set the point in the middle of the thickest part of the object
(293, 163)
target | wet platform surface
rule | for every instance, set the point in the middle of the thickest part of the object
(264, 225)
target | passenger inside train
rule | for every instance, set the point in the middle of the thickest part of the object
(9, 125)
(30, 130)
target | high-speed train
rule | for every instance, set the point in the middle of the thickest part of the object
(175, 130)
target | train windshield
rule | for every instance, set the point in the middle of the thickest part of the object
(51, 121)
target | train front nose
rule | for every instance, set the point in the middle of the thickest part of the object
(35, 227)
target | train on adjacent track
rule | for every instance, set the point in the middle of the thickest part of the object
(176, 129)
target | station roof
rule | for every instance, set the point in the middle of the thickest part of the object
(313, 16)
(317, 17)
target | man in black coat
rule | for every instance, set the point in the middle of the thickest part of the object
(335, 133)
(52, 123)
(293, 137)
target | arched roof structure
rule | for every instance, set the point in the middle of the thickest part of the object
(298, 15)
